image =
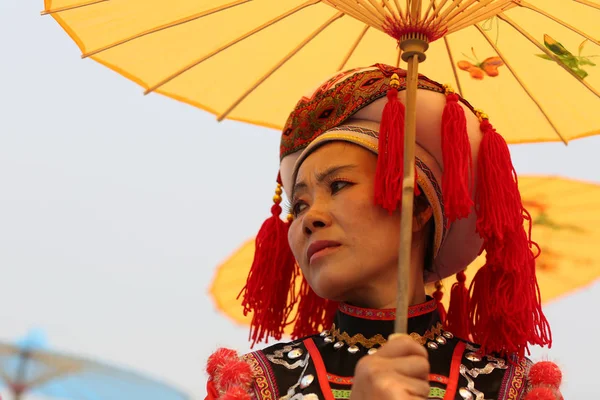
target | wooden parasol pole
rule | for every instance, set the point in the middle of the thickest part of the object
(413, 52)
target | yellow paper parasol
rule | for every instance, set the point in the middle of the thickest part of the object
(566, 225)
(233, 58)
(531, 68)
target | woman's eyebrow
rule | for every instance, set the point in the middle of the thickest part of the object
(321, 176)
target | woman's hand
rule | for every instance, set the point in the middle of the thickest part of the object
(398, 371)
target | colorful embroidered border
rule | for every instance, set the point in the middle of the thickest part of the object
(333, 103)
(438, 191)
(436, 393)
(341, 394)
(514, 385)
(387, 314)
(438, 378)
(340, 380)
(264, 382)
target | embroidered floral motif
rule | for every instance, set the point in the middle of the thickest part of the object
(337, 100)
(340, 380)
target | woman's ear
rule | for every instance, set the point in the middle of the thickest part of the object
(422, 214)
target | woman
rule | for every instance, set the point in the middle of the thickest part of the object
(341, 168)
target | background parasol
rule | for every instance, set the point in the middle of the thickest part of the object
(232, 58)
(28, 367)
(566, 225)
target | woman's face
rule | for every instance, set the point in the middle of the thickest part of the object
(346, 246)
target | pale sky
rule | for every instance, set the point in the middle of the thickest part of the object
(116, 208)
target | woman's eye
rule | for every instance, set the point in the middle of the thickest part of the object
(298, 207)
(338, 185)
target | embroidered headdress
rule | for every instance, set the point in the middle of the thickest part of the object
(464, 170)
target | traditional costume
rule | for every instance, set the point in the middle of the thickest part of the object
(464, 170)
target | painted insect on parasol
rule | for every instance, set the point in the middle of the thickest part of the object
(536, 76)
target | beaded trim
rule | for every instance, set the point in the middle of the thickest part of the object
(387, 314)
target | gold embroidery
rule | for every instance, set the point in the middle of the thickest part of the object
(260, 378)
(516, 383)
(380, 340)
(428, 335)
(357, 339)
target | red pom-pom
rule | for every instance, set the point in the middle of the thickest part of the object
(543, 393)
(218, 359)
(545, 373)
(236, 373)
(236, 393)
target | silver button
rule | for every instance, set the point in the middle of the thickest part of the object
(328, 339)
(293, 354)
(306, 380)
(432, 345)
(372, 351)
(447, 335)
(353, 349)
(440, 340)
(474, 357)
(466, 394)
(338, 345)
(324, 333)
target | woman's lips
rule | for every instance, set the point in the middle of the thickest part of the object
(321, 248)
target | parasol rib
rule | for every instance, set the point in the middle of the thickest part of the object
(354, 47)
(54, 374)
(514, 73)
(588, 3)
(279, 64)
(233, 42)
(559, 21)
(479, 16)
(178, 22)
(548, 53)
(71, 7)
(454, 70)
(356, 12)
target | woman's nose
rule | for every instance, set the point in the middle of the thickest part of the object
(315, 220)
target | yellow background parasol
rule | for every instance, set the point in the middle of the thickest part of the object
(566, 216)
(533, 69)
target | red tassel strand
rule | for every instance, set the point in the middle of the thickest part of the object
(390, 167)
(273, 262)
(314, 313)
(438, 295)
(505, 309)
(458, 311)
(229, 376)
(456, 152)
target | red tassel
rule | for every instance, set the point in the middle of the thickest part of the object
(389, 173)
(314, 313)
(458, 160)
(273, 262)
(438, 295)
(458, 311)
(505, 310)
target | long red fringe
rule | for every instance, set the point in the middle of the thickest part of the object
(314, 313)
(505, 309)
(458, 160)
(390, 167)
(458, 310)
(273, 262)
